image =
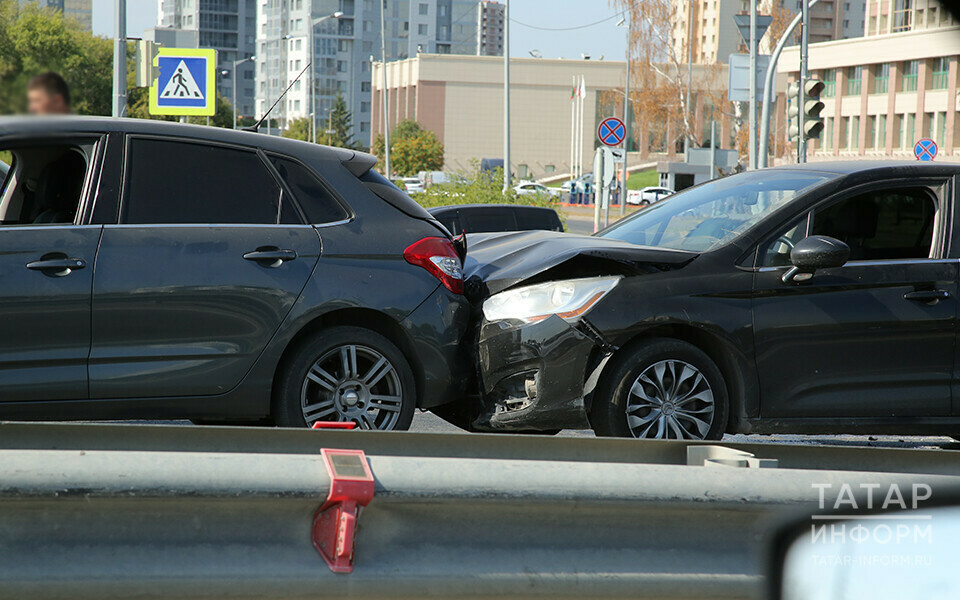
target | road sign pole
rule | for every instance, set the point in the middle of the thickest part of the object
(626, 115)
(802, 96)
(120, 59)
(597, 180)
(506, 96)
(713, 149)
(752, 146)
(385, 104)
(768, 85)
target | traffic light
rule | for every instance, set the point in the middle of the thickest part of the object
(147, 72)
(805, 119)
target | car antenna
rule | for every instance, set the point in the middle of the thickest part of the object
(256, 128)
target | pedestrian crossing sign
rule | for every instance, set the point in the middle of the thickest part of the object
(187, 85)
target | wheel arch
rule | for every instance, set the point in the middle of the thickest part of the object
(720, 351)
(364, 318)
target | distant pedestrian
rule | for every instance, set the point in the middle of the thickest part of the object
(48, 94)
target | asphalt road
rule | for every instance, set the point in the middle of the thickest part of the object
(425, 422)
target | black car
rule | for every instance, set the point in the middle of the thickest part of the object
(158, 270)
(489, 218)
(809, 299)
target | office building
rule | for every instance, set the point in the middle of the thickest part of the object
(888, 89)
(229, 27)
(460, 99)
(344, 48)
(78, 10)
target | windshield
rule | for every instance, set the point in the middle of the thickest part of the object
(713, 214)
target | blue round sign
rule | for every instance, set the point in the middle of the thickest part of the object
(612, 131)
(925, 149)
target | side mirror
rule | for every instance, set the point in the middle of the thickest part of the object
(879, 553)
(815, 252)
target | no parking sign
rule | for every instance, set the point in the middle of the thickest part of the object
(925, 149)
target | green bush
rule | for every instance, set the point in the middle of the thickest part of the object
(480, 188)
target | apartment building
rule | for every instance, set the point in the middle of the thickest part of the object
(344, 49)
(714, 35)
(490, 27)
(228, 26)
(78, 10)
(890, 88)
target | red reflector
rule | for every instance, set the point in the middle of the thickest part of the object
(335, 523)
(438, 256)
(334, 425)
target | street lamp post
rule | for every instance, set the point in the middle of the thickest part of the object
(384, 92)
(628, 22)
(313, 91)
(237, 63)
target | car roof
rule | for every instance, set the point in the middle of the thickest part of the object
(850, 167)
(356, 162)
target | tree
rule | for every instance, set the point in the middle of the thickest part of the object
(298, 129)
(34, 40)
(412, 149)
(658, 67)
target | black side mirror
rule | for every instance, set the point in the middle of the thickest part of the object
(815, 252)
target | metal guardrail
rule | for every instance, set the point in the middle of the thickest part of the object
(170, 512)
(169, 438)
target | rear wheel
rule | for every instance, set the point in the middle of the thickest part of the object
(346, 374)
(661, 389)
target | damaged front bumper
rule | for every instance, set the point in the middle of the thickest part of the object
(538, 376)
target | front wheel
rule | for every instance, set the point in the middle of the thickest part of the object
(661, 389)
(346, 374)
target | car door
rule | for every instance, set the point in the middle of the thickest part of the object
(874, 338)
(46, 266)
(208, 257)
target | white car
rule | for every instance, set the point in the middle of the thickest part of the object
(413, 185)
(648, 195)
(533, 189)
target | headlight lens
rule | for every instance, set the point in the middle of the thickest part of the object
(569, 299)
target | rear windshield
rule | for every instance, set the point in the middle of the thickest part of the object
(379, 185)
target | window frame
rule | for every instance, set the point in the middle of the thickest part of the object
(271, 172)
(937, 188)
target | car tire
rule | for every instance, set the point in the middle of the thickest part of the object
(346, 374)
(659, 409)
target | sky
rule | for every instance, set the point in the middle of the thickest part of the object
(603, 39)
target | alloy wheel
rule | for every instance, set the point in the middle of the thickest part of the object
(353, 383)
(671, 399)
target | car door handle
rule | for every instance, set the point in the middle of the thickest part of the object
(270, 256)
(57, 266)
(927, 296)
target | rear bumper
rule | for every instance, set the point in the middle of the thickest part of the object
(535, 377)
(437, 331)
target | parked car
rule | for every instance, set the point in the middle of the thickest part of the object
(819, 298)
(478, 218)
(413, 185)
(165, 271)
(535, 189)
(648, 195)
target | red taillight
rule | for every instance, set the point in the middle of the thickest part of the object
(437, 256)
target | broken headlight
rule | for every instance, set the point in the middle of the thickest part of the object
(569, 299)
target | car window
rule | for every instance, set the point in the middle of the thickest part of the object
(712, 214)
(316, 200)
(536, 218)
(776, 252)
(881, 225)
(43, 183)
(486, 220)
(179, 182)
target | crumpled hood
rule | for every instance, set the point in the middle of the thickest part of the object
(497, 261)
